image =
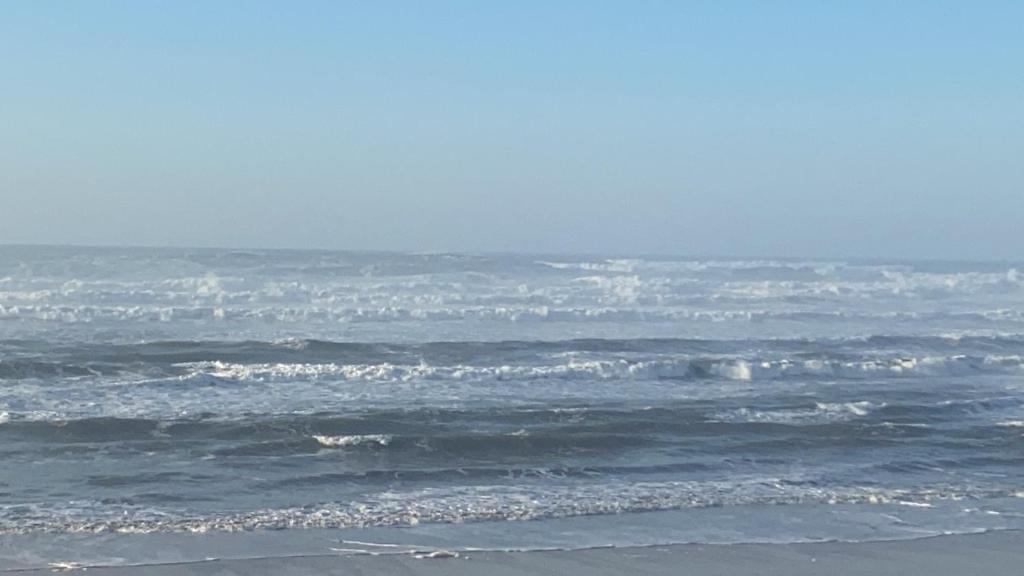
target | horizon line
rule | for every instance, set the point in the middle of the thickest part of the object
(602, 255)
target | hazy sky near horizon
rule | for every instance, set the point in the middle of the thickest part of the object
(880, 129)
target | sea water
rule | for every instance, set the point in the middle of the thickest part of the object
(507, 400)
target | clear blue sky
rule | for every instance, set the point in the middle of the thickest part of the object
(892, 129)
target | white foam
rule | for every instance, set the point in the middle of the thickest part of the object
(459, 504)
(574, 291)
(571, 370)
(821, 412)
(354, 440)
(229, 389)
(579, 369)
(855, 408)
(602, 266)
(739, 370)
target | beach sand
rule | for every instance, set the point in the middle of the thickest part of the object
(990, 553)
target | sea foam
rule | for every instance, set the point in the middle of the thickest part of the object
(354, 440)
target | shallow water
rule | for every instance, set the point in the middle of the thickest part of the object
(597, 401)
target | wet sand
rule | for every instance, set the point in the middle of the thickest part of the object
(991, 553)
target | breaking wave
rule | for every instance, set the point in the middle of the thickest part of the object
(353, 440)
(476, 504)
(683, 368)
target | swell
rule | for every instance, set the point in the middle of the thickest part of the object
(597, 358)
(463, 474)
(693, 427)
(194, 350)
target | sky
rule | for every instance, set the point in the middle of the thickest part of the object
(725, 128)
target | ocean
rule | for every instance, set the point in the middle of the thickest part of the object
(507, 401)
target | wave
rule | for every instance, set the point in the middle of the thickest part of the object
(670, 369)
(24, 368)
(819, 412)
(37, 358)
(534, 431)
(494, 432)
(460, 504)
(183, 390)
(462, 474)
(658, 311)
(458, 281)
(353, 440)
(130, 399)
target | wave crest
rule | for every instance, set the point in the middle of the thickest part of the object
(353, 440)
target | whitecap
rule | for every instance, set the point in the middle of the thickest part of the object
(856, 408)
(354, 440)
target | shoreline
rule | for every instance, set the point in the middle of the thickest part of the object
(994, 552)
